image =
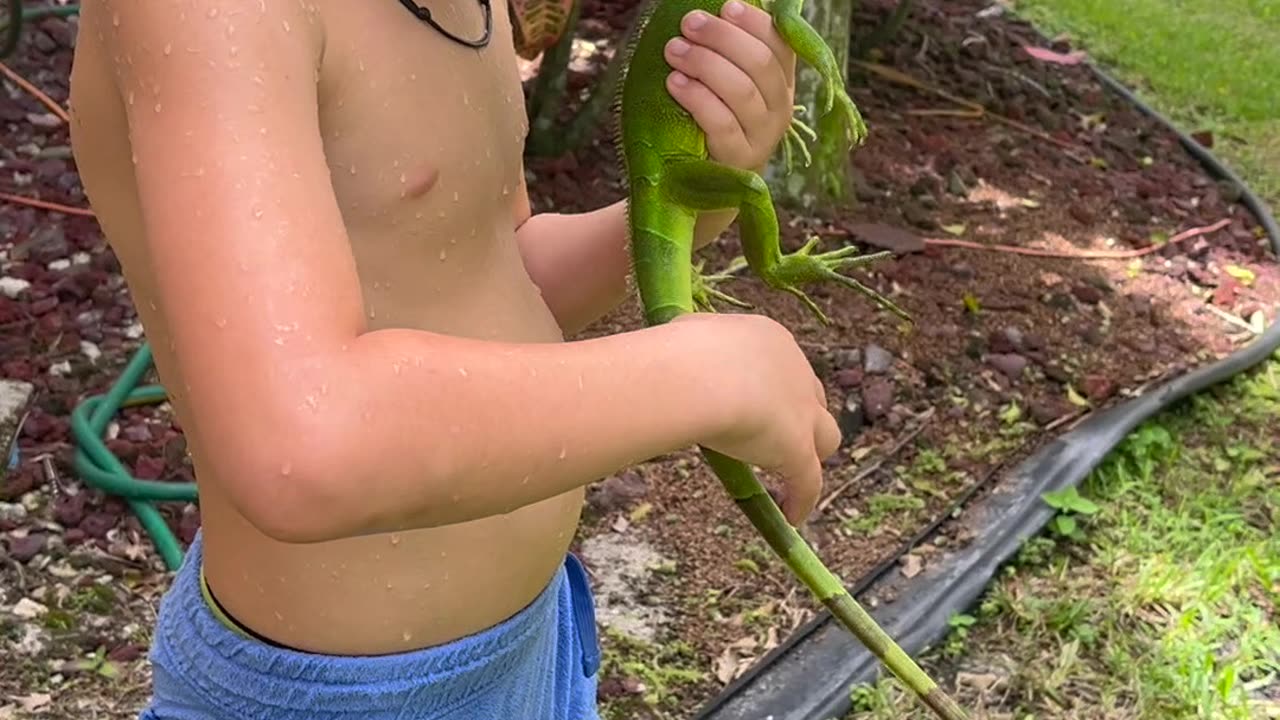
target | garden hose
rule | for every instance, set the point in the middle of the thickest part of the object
(101, 469)
(17, 15)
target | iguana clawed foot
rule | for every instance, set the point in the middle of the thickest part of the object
(836, 99)
(792, 142)
(704, 290)
(805, 268)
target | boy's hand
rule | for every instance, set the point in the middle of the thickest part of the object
(772, 407)
(736, 76)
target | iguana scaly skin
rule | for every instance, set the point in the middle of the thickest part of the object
(671, 180)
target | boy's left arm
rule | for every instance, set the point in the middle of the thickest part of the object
(736, 77)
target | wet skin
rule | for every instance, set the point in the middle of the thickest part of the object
(431, 202)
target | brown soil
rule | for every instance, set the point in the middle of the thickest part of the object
(929, 412)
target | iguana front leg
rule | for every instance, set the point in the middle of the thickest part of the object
(705, 185)
(810, 47)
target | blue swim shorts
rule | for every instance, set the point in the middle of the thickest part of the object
(539, 664)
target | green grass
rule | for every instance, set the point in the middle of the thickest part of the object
(1207, 64)
(1163, 603)
(1156, 595)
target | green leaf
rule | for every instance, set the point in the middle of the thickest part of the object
(957, 229)
(1065, 525)
(1070, 500)
(1076, 398)
(971, 303)
(1244, 275)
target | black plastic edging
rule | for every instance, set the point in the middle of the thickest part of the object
(810, 676)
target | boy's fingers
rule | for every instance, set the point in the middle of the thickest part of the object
(804, 482)
(827, 437)
(741, 48)
(760, 24)
(725, 79)
(710, 112)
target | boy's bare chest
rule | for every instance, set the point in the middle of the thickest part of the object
(418, 127)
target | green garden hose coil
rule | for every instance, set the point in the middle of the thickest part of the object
(101, 469)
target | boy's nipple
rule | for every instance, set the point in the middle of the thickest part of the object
(416, 183)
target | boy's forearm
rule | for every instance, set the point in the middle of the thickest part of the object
(581, 261)
(422, 430)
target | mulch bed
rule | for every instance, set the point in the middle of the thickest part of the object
(1008, 350)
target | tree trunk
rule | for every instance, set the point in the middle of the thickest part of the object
(826, 181)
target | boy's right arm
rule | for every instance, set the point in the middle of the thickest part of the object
(320, 429)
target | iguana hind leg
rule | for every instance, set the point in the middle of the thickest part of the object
(705, 291)
(810, 47)
(705, 185)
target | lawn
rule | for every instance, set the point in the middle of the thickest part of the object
(1160, 597)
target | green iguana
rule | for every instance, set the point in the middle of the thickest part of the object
(670, 181)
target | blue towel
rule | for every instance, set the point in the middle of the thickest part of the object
(540, 664)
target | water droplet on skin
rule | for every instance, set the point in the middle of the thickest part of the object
(352, 169)
(466, 100)
(564, 452)
(286, 468)
(389, 585)
(406, 636)
(115, 20)
(157, 107)
(455, 196)
(168, 49)
(279, 616)
(220, 322)
(395, 539)
(257, 213)
(462, 372)
(443, 253)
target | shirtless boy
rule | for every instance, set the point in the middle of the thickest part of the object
(320, 210)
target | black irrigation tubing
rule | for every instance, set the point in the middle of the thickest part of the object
(810, 676)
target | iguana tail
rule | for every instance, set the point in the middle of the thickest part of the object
(663, 300)
(756, 503)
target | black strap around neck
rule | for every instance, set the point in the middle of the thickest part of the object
(424, 15)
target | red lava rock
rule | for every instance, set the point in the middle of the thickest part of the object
(1046, 411)
(148, 467)
(1010, 364)
(18, 370)
(23, 549)
(69, 510)
(1006, 340)
(19, 483)
(877, 397)
(74, 536)
(849, 378)
(617, 492)
(97, 525)
(125, 653)
(43, 305)
(1225, 295)
(138, 432)
(1081, 214)
(1097, 387)
(1087, 294)
(124, 450)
